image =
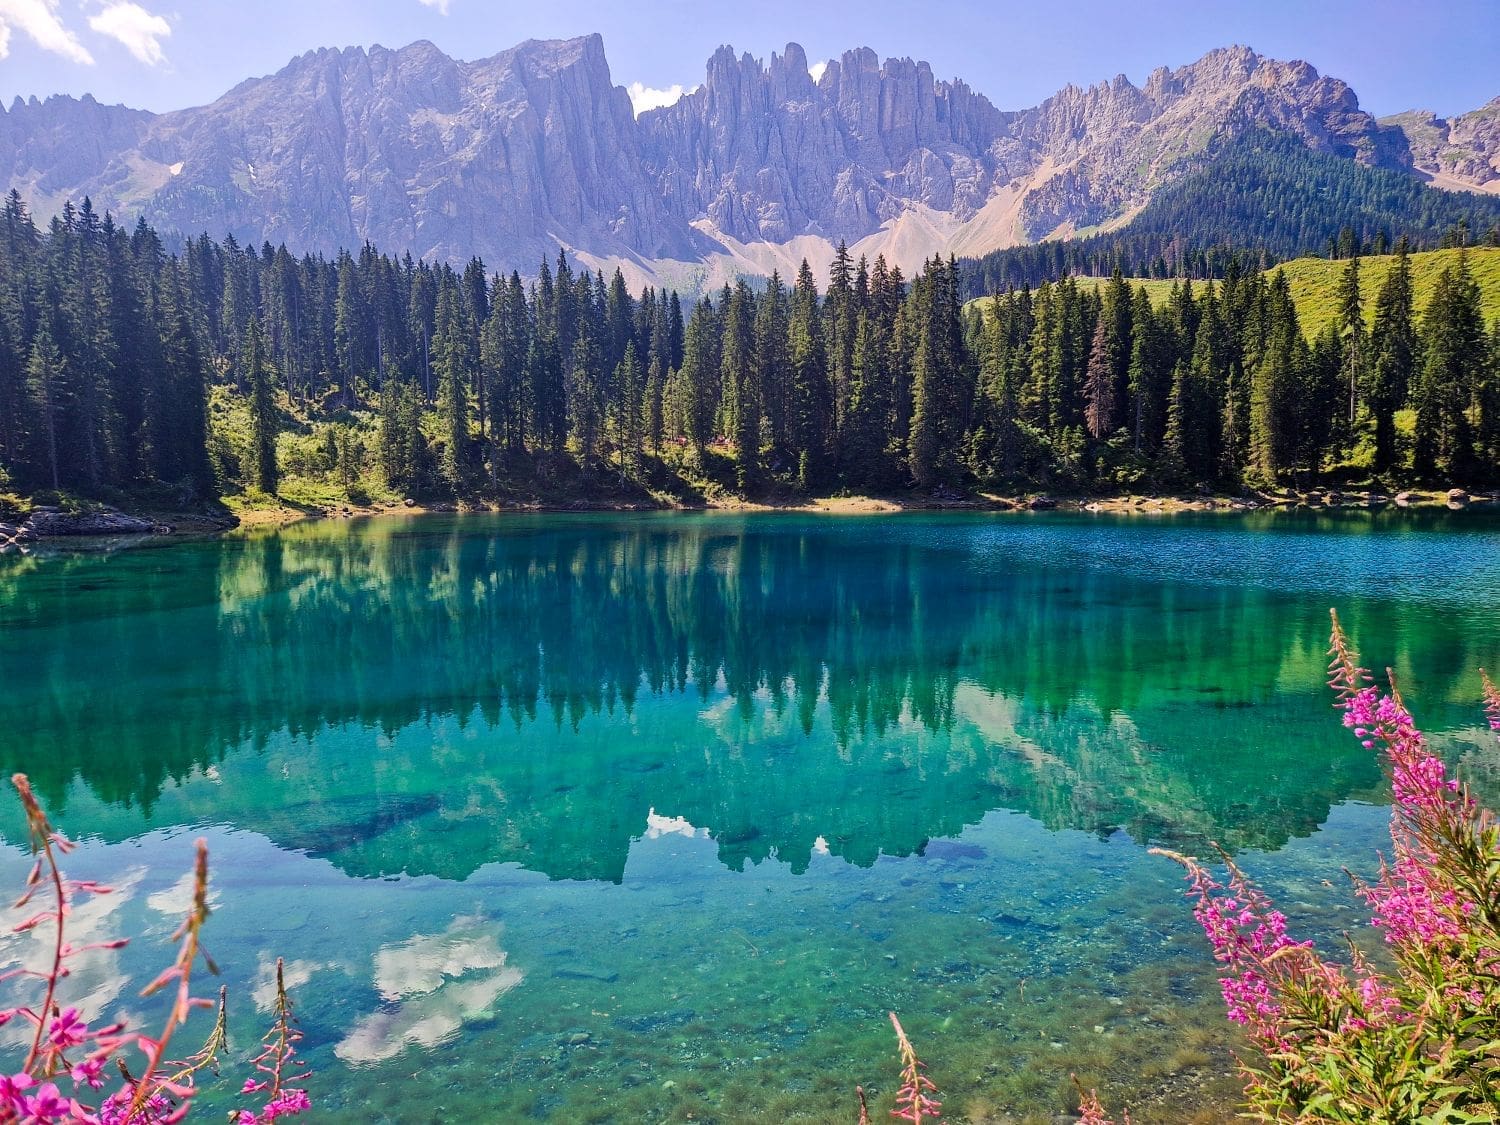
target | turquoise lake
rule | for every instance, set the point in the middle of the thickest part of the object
(636, 818)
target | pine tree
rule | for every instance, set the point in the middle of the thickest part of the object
(810, 408)
(451, 356)
(1099, 385)
(1351, 332)
(1451, 378)
(939, 403)
(47, 381)
(773, 368)
(1274, 389)
(255, 373)
(586, 400)
(1393, 344)
(740, 371)
(630, 423)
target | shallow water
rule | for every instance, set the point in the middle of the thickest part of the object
(634, 818)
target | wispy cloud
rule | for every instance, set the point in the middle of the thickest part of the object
(38, 19)
(643, 97)
(440, 5)
(139, 30)
(817, 69)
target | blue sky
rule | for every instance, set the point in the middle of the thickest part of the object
(164, 54)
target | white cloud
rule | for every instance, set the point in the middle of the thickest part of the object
(38, 19)
(817, 69)
(141, 31)
(643, 97)
(440, 5)
(430, 986)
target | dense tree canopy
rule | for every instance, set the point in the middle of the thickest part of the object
(112, 352)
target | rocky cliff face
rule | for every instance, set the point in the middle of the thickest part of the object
(510, 157)
(763, 153)
(507, 157)
(1463, 152)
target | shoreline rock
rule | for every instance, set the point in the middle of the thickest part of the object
(53, 523)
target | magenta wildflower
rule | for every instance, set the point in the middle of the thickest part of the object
(46, 1105)
(162, 1093)
(67, 1030)
(88, 1073)
(1413, 1044)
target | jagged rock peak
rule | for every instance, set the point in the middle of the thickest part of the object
(509, 156)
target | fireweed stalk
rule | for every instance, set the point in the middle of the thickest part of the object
(1339, 1043)
(279, 1063)
(65, 1049)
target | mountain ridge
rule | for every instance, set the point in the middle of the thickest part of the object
(511, 156)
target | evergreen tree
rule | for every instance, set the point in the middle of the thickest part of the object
(630, 423)
(1451, 380)
(1099, 385)
(255, 373)
(939, 402)
(1393, 344)
(451, 357)
(46, 377)
(740, 372)
(1351, 332)
(810, 408)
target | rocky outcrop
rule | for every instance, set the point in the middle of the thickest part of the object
(15, 537)
(1463, 152)
(511, 156)
(52, 523)
(508, 157)
(764, 153)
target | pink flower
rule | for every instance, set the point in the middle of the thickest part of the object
(89, 1073)
(68, 1030)
(46, 1105)
(12, 1089)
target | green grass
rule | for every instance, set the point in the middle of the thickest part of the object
(1315, 283)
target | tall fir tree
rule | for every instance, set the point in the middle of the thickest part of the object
(1393, 343)
(265, 423)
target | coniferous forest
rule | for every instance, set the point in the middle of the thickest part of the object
(126, 368)
(1254, 200)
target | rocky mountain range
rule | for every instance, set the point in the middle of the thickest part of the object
(761, 165)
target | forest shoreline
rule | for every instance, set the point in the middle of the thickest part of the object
(199, 523)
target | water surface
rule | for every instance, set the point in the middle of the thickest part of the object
(635, 818)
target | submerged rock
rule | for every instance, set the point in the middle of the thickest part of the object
(656, 1020)
(950, 850)
(586, 972)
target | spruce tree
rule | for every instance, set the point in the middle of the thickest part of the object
(810, 407)
(255, 373)
(742, 402)
(1451, 379)
(630, 420)
(1351, 332)
(1393, 343)
(451, 357)
(1099, 385)
(46, 378)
